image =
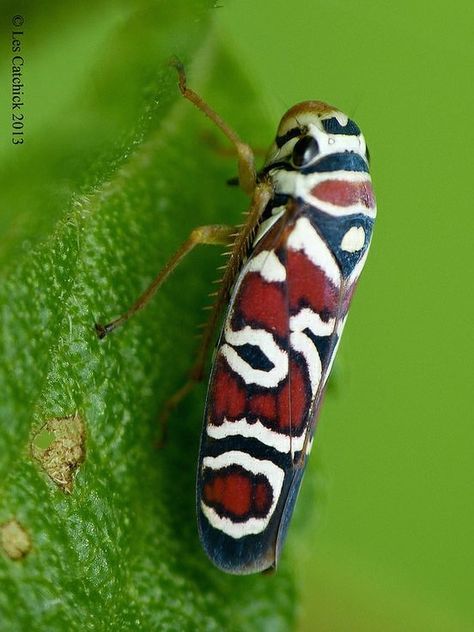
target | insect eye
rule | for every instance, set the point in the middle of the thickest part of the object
(304, 151)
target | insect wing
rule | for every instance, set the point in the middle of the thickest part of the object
(321, 279)
(270, 368)
(244, 454)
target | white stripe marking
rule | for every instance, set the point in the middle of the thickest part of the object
(277, 440)
(339, 211)
(268, 265)
(300, 342)
(339, 329)
(352, 177)
(300, 185)
(267, 345)
(265, 226)
(274, 475)
(304, 237)
(354, 275)
(354, 239)
(304, 345)
(306, 318)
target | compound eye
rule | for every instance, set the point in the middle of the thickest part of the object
(304, 151)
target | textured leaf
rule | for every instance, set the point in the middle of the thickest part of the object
(101, 523)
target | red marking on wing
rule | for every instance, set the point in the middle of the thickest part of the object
(231, 401)
(262, 497)
(262, 303)
(264, 406)
(300, 398)
(268, 305)
(282, 418)
(308, 283)
(297, 393)
(231, 491)
(228, 398)
(344, 193)
(237, 493)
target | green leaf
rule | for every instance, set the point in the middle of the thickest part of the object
(97, 526)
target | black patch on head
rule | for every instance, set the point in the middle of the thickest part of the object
(332, 126)
(254, 356)
(284, 138)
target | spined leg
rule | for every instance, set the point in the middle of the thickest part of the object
(214, 235)
(261, 197)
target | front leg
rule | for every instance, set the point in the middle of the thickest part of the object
(214, 235)
(240, 244)
(245, 156)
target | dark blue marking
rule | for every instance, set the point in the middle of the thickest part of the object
(254, 356)
(332, 126)
(288, 508)
(332, 230)
(343, 161)
(324, 345)
(250, 445)
(279, 199)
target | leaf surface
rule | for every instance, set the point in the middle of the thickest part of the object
(104, 522)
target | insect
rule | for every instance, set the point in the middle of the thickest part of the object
(286, 289)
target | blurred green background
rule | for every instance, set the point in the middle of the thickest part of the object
(383, 531)
(392, 546)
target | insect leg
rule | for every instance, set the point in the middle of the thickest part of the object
(214, 235)
(261, 196)
(247, 174)
(227, 152)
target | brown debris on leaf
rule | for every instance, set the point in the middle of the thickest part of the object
(14, 540)
(59, 447)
